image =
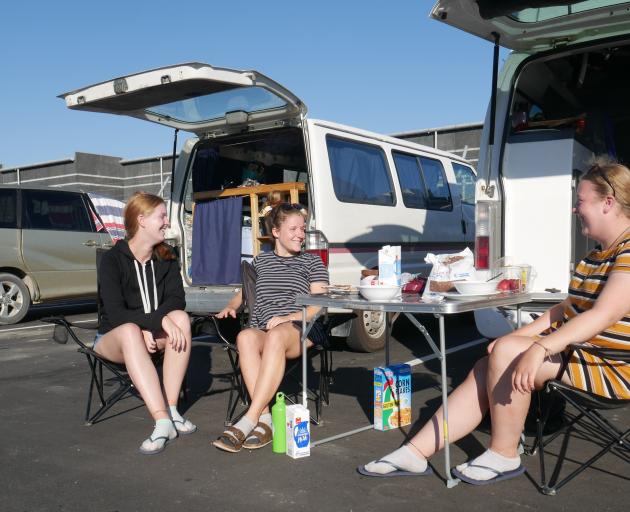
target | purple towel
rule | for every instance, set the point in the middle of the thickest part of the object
(216, 248)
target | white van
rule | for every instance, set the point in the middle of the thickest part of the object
(362, 190)
(561, 98)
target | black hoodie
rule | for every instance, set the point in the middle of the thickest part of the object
(120, 293)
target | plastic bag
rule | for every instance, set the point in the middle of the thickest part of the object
(448, 268)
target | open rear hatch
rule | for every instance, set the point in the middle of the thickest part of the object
(194, 97)
(535, 25)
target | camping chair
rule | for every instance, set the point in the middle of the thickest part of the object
(588, 423)
(117, 375)
(238, 392)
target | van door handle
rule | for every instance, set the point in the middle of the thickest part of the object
(90, 243)
(463, 226)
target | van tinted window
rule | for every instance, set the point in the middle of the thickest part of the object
(61, 211)
(466, 180)
(359, 172)
(414, 191)
(438, 193)
(8, 209)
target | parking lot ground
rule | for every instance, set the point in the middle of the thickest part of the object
(52, 462)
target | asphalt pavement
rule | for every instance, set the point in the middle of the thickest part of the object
(52, 462)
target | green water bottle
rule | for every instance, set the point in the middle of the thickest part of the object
(279, 420)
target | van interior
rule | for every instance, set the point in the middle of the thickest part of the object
(583, 94)
(246, 165)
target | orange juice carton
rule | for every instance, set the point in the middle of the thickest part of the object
(392, 396)
(298, 431)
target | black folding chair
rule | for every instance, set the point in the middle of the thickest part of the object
(115, 375)
(319, 394)
(586, 423)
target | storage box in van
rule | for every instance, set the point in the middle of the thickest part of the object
(362, 190)
(560, 99)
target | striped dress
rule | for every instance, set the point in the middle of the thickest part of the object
(586, 371)
(280, 279)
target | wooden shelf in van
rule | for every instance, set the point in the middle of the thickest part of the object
(292, 189)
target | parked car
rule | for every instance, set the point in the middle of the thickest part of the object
(48, 242)
(561, 98)
(362, 190)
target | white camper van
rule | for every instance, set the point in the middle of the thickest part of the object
(561, 98)
(362, 190)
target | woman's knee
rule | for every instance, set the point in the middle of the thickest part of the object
(506, 350)
(181, 319)
(246, 341)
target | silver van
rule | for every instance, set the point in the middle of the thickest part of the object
(561, 97)
(362, 189)
(48, 242)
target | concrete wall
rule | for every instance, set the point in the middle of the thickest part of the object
(106, 175)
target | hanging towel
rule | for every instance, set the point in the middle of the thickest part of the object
(216, 247)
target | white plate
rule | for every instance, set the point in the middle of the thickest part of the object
(468, 296)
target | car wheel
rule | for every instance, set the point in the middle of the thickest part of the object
(15, 299)
(367, 333)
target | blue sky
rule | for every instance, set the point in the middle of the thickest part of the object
(382, 66)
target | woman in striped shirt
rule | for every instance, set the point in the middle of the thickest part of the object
(597, 312)
(274, 335)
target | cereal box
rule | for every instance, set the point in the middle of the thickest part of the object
(392, 396)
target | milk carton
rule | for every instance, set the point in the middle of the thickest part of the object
(298, 431)
(392, 396)
(389, 265)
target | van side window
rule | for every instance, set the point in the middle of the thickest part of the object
(8, 209)
(61, 211)
(438, 192)
(414, 191)
(359, 172)
(466, 180)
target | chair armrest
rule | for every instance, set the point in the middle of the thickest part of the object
(64, 328)
(604, 353)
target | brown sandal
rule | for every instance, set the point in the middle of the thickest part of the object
(231, 440)
(258, 439)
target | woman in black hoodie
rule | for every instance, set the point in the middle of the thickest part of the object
(142, 312)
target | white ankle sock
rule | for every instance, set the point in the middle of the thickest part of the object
(404, 458)
(163, 430)
(175, 416)
(488, 465)
(264, 418)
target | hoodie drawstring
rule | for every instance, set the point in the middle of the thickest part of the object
(144, 287)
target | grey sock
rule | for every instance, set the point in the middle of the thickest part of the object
(266, 419)
(245, 425)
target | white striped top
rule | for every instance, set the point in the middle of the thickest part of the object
(280, 279)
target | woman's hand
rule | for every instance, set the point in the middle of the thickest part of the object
(225, 312)
(277, 320)
(527, 367)
(150, 342)
(176, 336)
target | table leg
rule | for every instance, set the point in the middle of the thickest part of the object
(388, 329)
(450, 481)
(303, 340)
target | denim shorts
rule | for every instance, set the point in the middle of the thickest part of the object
(97, 338)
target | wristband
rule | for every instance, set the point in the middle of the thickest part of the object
(547, 351)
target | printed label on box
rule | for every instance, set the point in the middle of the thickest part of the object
(392, 396)
(298, 431)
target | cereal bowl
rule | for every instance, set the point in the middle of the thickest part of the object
(382, 292)
(475, 287)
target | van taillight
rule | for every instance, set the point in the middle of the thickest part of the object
(482, 252)
(317, 243)
(485, 219)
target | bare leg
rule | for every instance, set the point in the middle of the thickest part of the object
(280, 344)
(125, 344)
(250, 344)
(176, 363)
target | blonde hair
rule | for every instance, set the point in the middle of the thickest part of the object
(143, 203)
(611, 179)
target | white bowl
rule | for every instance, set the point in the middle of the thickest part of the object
(376, 293)
(475, 287)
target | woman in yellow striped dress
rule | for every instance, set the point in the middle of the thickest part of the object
(596, 311)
